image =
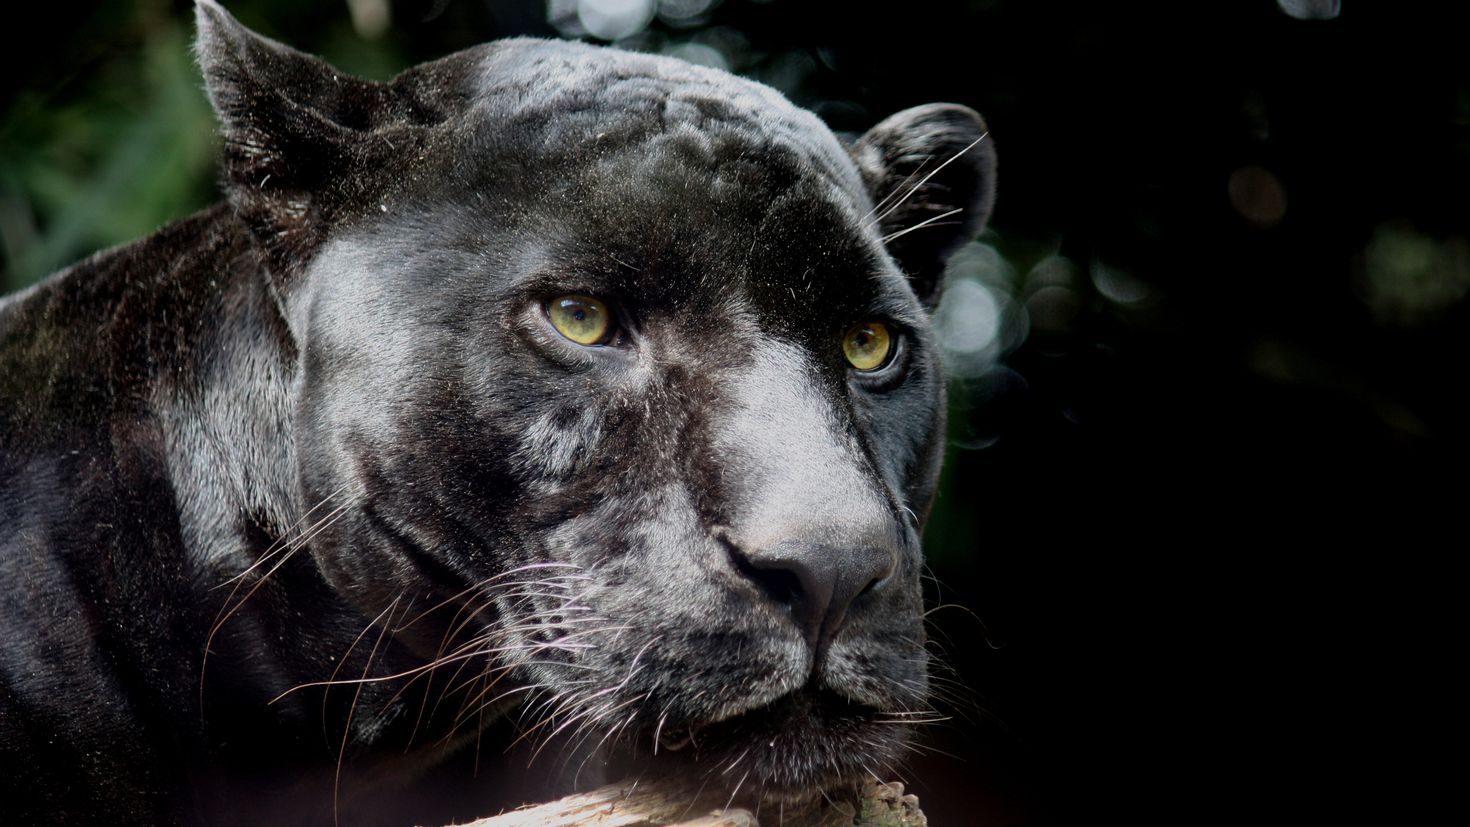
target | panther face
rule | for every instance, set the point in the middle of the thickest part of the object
(621, 383)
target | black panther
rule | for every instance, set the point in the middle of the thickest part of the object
(588, 391)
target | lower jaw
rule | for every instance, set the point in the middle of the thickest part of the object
(798, 749)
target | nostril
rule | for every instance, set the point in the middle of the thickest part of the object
(786, 574)
(781, 583)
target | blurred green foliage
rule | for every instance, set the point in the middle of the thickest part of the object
(83, 171)
(124, 140)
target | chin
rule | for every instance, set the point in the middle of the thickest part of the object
(805, 745)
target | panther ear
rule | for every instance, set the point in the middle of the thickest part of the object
(931, 173)
(292, 127)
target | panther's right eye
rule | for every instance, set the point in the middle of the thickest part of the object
(582, 319)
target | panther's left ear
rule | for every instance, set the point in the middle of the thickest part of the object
(931, 173)
(296, 132)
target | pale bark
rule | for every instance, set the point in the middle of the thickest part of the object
(652, 804)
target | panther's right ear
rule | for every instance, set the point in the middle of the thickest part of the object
(293, 129)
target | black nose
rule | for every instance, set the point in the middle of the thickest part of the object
(818, 582)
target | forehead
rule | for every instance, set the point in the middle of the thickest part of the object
(662, 180)
(560, 97)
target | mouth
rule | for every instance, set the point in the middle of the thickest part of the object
(802, 745)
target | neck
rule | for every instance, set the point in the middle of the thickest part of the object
(227, 424)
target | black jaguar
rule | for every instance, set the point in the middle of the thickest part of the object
(589, 391)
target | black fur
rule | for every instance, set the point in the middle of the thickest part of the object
(326, 433)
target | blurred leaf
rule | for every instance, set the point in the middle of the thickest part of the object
(110, 166)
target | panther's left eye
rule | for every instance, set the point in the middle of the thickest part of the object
(867, 346)
(582, 319)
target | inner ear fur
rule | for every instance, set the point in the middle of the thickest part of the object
(931, 173)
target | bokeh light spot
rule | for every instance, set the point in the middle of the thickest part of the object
(1311, 9)
(1053, 309)
(683, 12)
(1409, 277)
(614, 19)
(978, 260)
(700, 53)
(1257, 195)
(1118, 286)
(1052, 301)
(370, 18)
(1052, 271)
(968, 319)
(977, 320)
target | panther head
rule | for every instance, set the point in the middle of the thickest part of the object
(621, 373)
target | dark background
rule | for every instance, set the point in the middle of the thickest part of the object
(1206, 482)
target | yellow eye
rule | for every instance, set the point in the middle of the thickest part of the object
(867, 345)
(582, 319)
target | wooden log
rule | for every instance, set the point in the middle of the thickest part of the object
(653, 804)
